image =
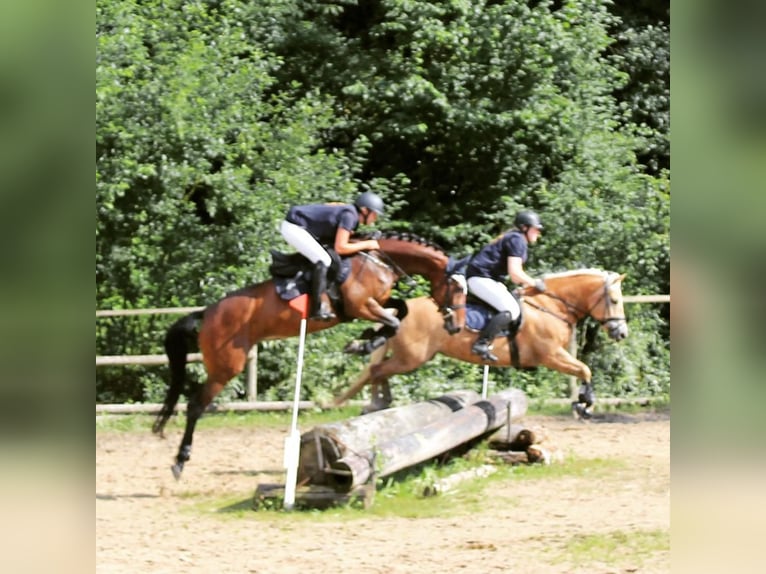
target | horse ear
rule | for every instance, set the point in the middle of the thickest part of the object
(621, 277)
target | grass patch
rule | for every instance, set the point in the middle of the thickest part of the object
(402, 494)
(654, 404)
(590, 468)
(618, 549)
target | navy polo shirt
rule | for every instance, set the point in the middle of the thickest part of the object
(323, 220)
(492, 259)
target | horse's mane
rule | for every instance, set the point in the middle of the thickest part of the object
(574, 272)
(403, 236)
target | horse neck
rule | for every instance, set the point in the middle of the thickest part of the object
(362, 265)
(579, 291)
(415, 258)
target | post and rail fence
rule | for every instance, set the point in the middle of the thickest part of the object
(252, 366)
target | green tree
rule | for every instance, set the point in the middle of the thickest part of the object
(198, 156)
(214, 116)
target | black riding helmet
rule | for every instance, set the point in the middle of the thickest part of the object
(528, 218)
(371, 201)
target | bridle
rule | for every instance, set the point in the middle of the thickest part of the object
(578, 312)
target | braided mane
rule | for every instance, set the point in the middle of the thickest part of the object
(405, 236)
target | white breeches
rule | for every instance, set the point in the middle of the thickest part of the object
(494, 293)
(305, 243)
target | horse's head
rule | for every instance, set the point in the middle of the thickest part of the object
(608, 308)
(594, 293)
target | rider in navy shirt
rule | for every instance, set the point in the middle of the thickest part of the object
(485, 273)
(308, 227)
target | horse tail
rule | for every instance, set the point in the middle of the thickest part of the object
(179, 340)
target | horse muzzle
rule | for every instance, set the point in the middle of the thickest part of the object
(617, 329)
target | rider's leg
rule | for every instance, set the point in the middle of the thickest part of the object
(320, 310)
(494, 293)
(304, 243)
(483, 345)
(310, 248)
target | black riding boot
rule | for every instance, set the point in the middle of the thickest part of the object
(483, 345)
(319, 308)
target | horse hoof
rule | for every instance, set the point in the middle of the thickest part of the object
(177, 469)
(374, 407)
(354, 348)
(579, 412)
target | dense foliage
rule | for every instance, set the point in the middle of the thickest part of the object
(212, 117)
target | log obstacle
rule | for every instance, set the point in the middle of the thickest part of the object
(438, 437)
(519, 444)
(347, 455)
(516, 437)
(340, 461)
(325, 444)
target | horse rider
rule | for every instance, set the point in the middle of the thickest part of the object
(487, 269)
(308, 227)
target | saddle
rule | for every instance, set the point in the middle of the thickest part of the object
(478, 313)
(291, 273)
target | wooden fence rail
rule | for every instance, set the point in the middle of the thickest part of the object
(252, 369)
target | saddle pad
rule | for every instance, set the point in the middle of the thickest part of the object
(478, 315)
(289, 288)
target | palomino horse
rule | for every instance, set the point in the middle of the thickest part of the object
(548, 320)
(231, 326)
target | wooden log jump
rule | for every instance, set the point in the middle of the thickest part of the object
(326, 443)
(328, 459)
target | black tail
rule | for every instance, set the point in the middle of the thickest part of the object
(179, 340)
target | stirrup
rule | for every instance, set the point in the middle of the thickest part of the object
(484, 350)
(323, 314)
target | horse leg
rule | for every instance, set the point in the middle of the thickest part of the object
(380, 397)
(585, 397)
(374, 311)
(363, 378)
(403, 359)
(221, 367)
(563, 362)
(198, 402)
(372, 338)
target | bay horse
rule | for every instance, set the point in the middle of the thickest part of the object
(226, 330)
(548, 319)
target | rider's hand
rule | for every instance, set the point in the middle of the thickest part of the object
(540, 285)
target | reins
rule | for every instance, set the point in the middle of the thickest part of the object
(386, 259)
(544, 310)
